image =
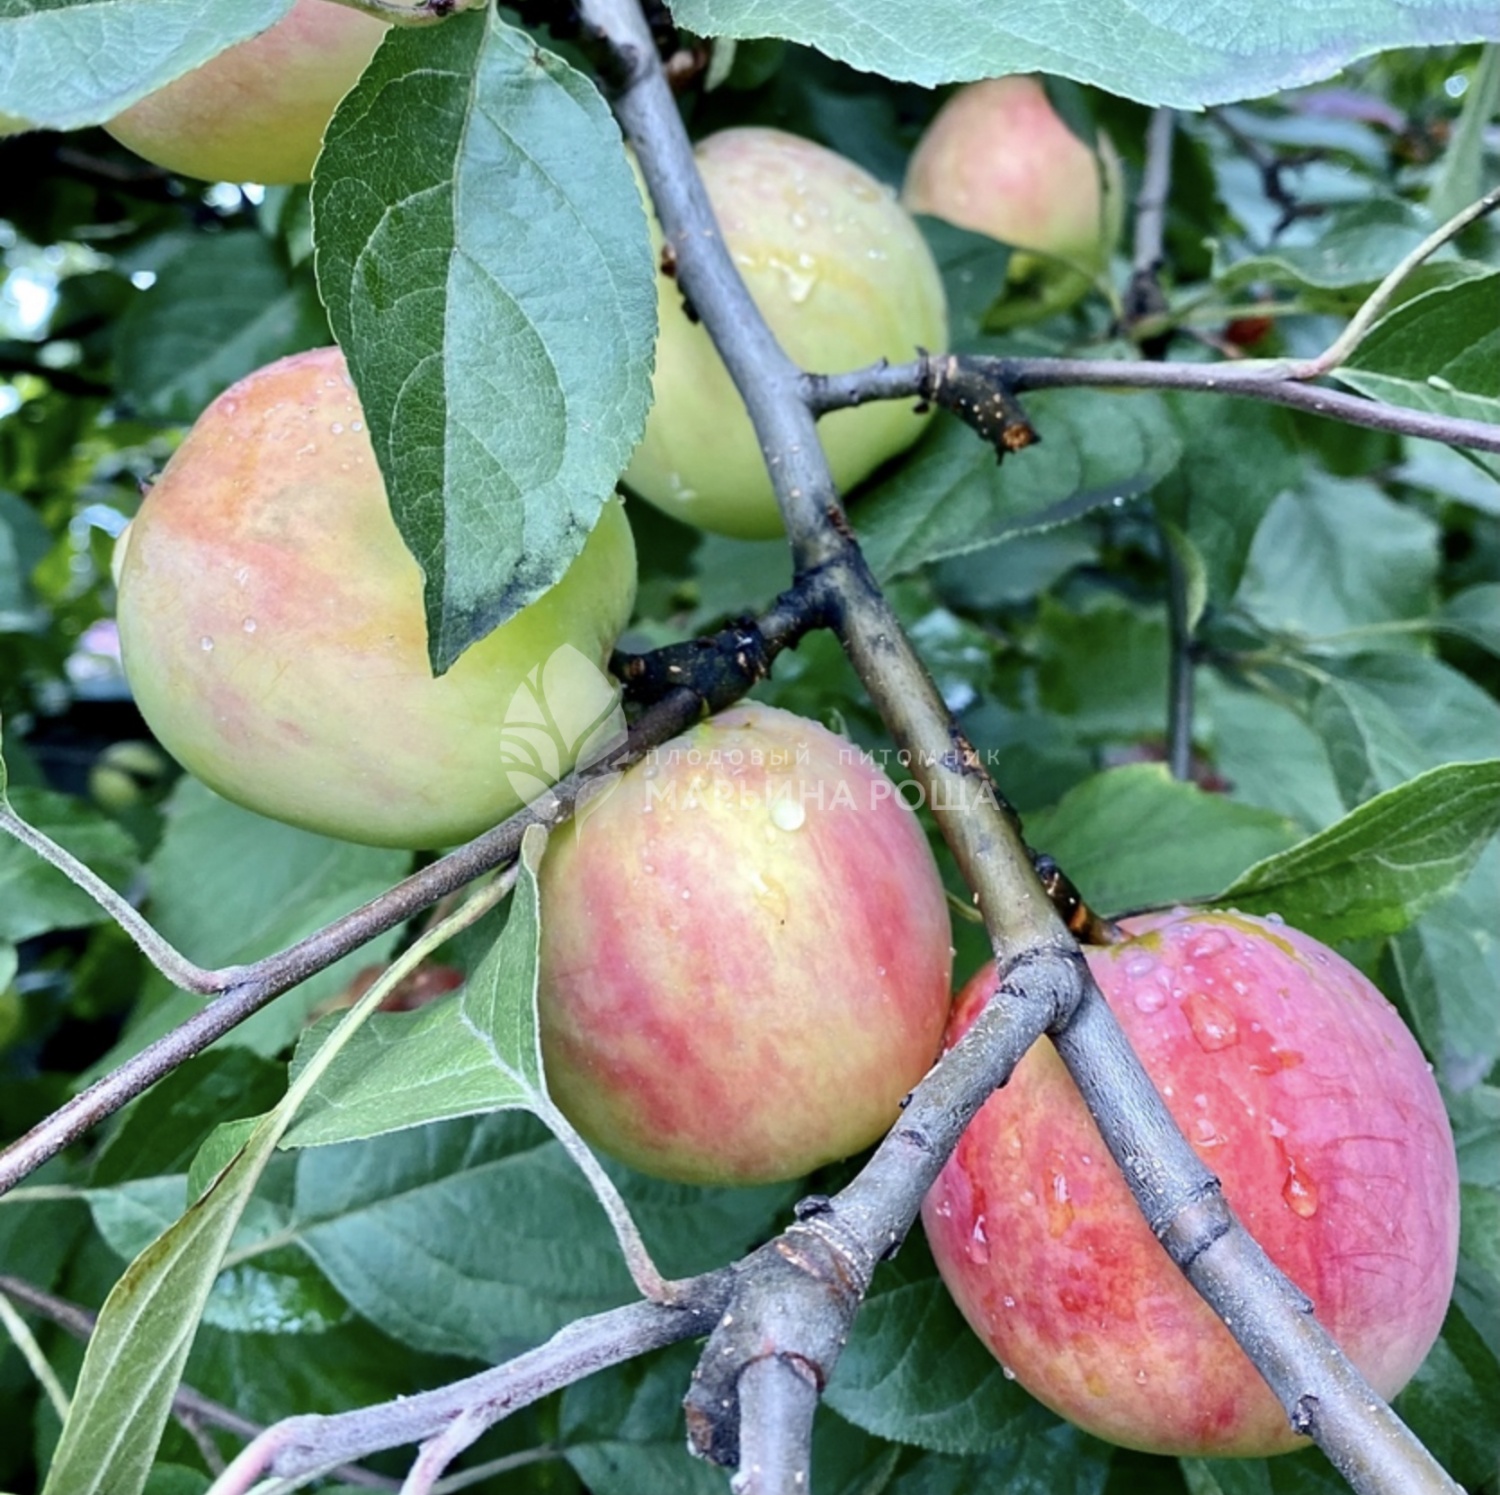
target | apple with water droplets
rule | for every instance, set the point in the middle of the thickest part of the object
(273, 632)
(1298, 1084)
(745, 954)
(842, 276)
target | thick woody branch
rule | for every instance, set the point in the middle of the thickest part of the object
(952, 378)
(794, 1300)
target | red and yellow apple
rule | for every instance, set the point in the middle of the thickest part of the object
(744, 954)
(998, 159)
(257, 111)
(843, 277)
(1297, 1083)
(273, 633)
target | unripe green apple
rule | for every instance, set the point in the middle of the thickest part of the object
(1297, 1083)
(843, 277)
(272, 630)
(744, 954)
(257, 111)
(998, 159)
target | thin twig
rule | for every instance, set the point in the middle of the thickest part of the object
(1375, 303)
(827, 392)
(302, 1448)
(79, 1322)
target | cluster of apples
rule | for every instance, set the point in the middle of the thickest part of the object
(746, 953)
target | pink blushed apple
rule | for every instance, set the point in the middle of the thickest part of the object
(1299, 1086)
(744, 955)
(257, 111)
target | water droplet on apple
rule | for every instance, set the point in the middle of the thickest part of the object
(1027, 1197)
(337, 428)
(1141, 1378)
(357, 425)
(788, 815)
(242, 575)
(978, 1248)
(799, 220)
(1274, 919)
(206, 644)
(1149, 999)
(1212, 1022)
(1008, 1301)
(1299, 1191)
(1208, 944)
(1007, 1372)
(1142, 963)
(249, 625)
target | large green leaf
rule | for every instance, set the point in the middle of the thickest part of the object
(491, 284)
(1383, 864)
(1136, 838)
(216, 313)
(481, 1238)
(1337, 558)
(914, 1373)
(952, 497)
(1151, 50)
(67, 63)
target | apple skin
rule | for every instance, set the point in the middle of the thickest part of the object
(842, 276)
(1299, 1086)
(743, 955)
(999, 160)
(257, 111)
(272, 630)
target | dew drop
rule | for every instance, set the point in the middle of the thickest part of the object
(358, 425)
(880, 970)
(1299, 1191)
(1007, 1372)
(337, 428)
(788, 815)
(1208, 944)
(1141, 1378)
(249, 625)
(1140, 964)
(1027, 1197)
(206, 644)
(1008, 1301)
(1149, 999)
(242, 575)
(978, 1249)
(1212, 1022)
(1274, 919)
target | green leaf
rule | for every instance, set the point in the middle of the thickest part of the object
(1379, 867)
(1137, 838)
(1439, 351)
(160, 1132)
(623, 1431)
(475, 1051)
(1103, 667)
(1336, 558)
(35, 896)
(135, 1357)
(1356, 246)
(229, 886)
(1237, 456)
(492, 286)
(1474, 614)
(1153, 51)
(1453, 1403)
(1447, 966)
(951, 496)
(447, 1237)
(1050, 1459)
(68, 63)
(915, 1373)
(1387, 717)
(215, 314)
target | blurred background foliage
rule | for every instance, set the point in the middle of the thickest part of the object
(1344, 588)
